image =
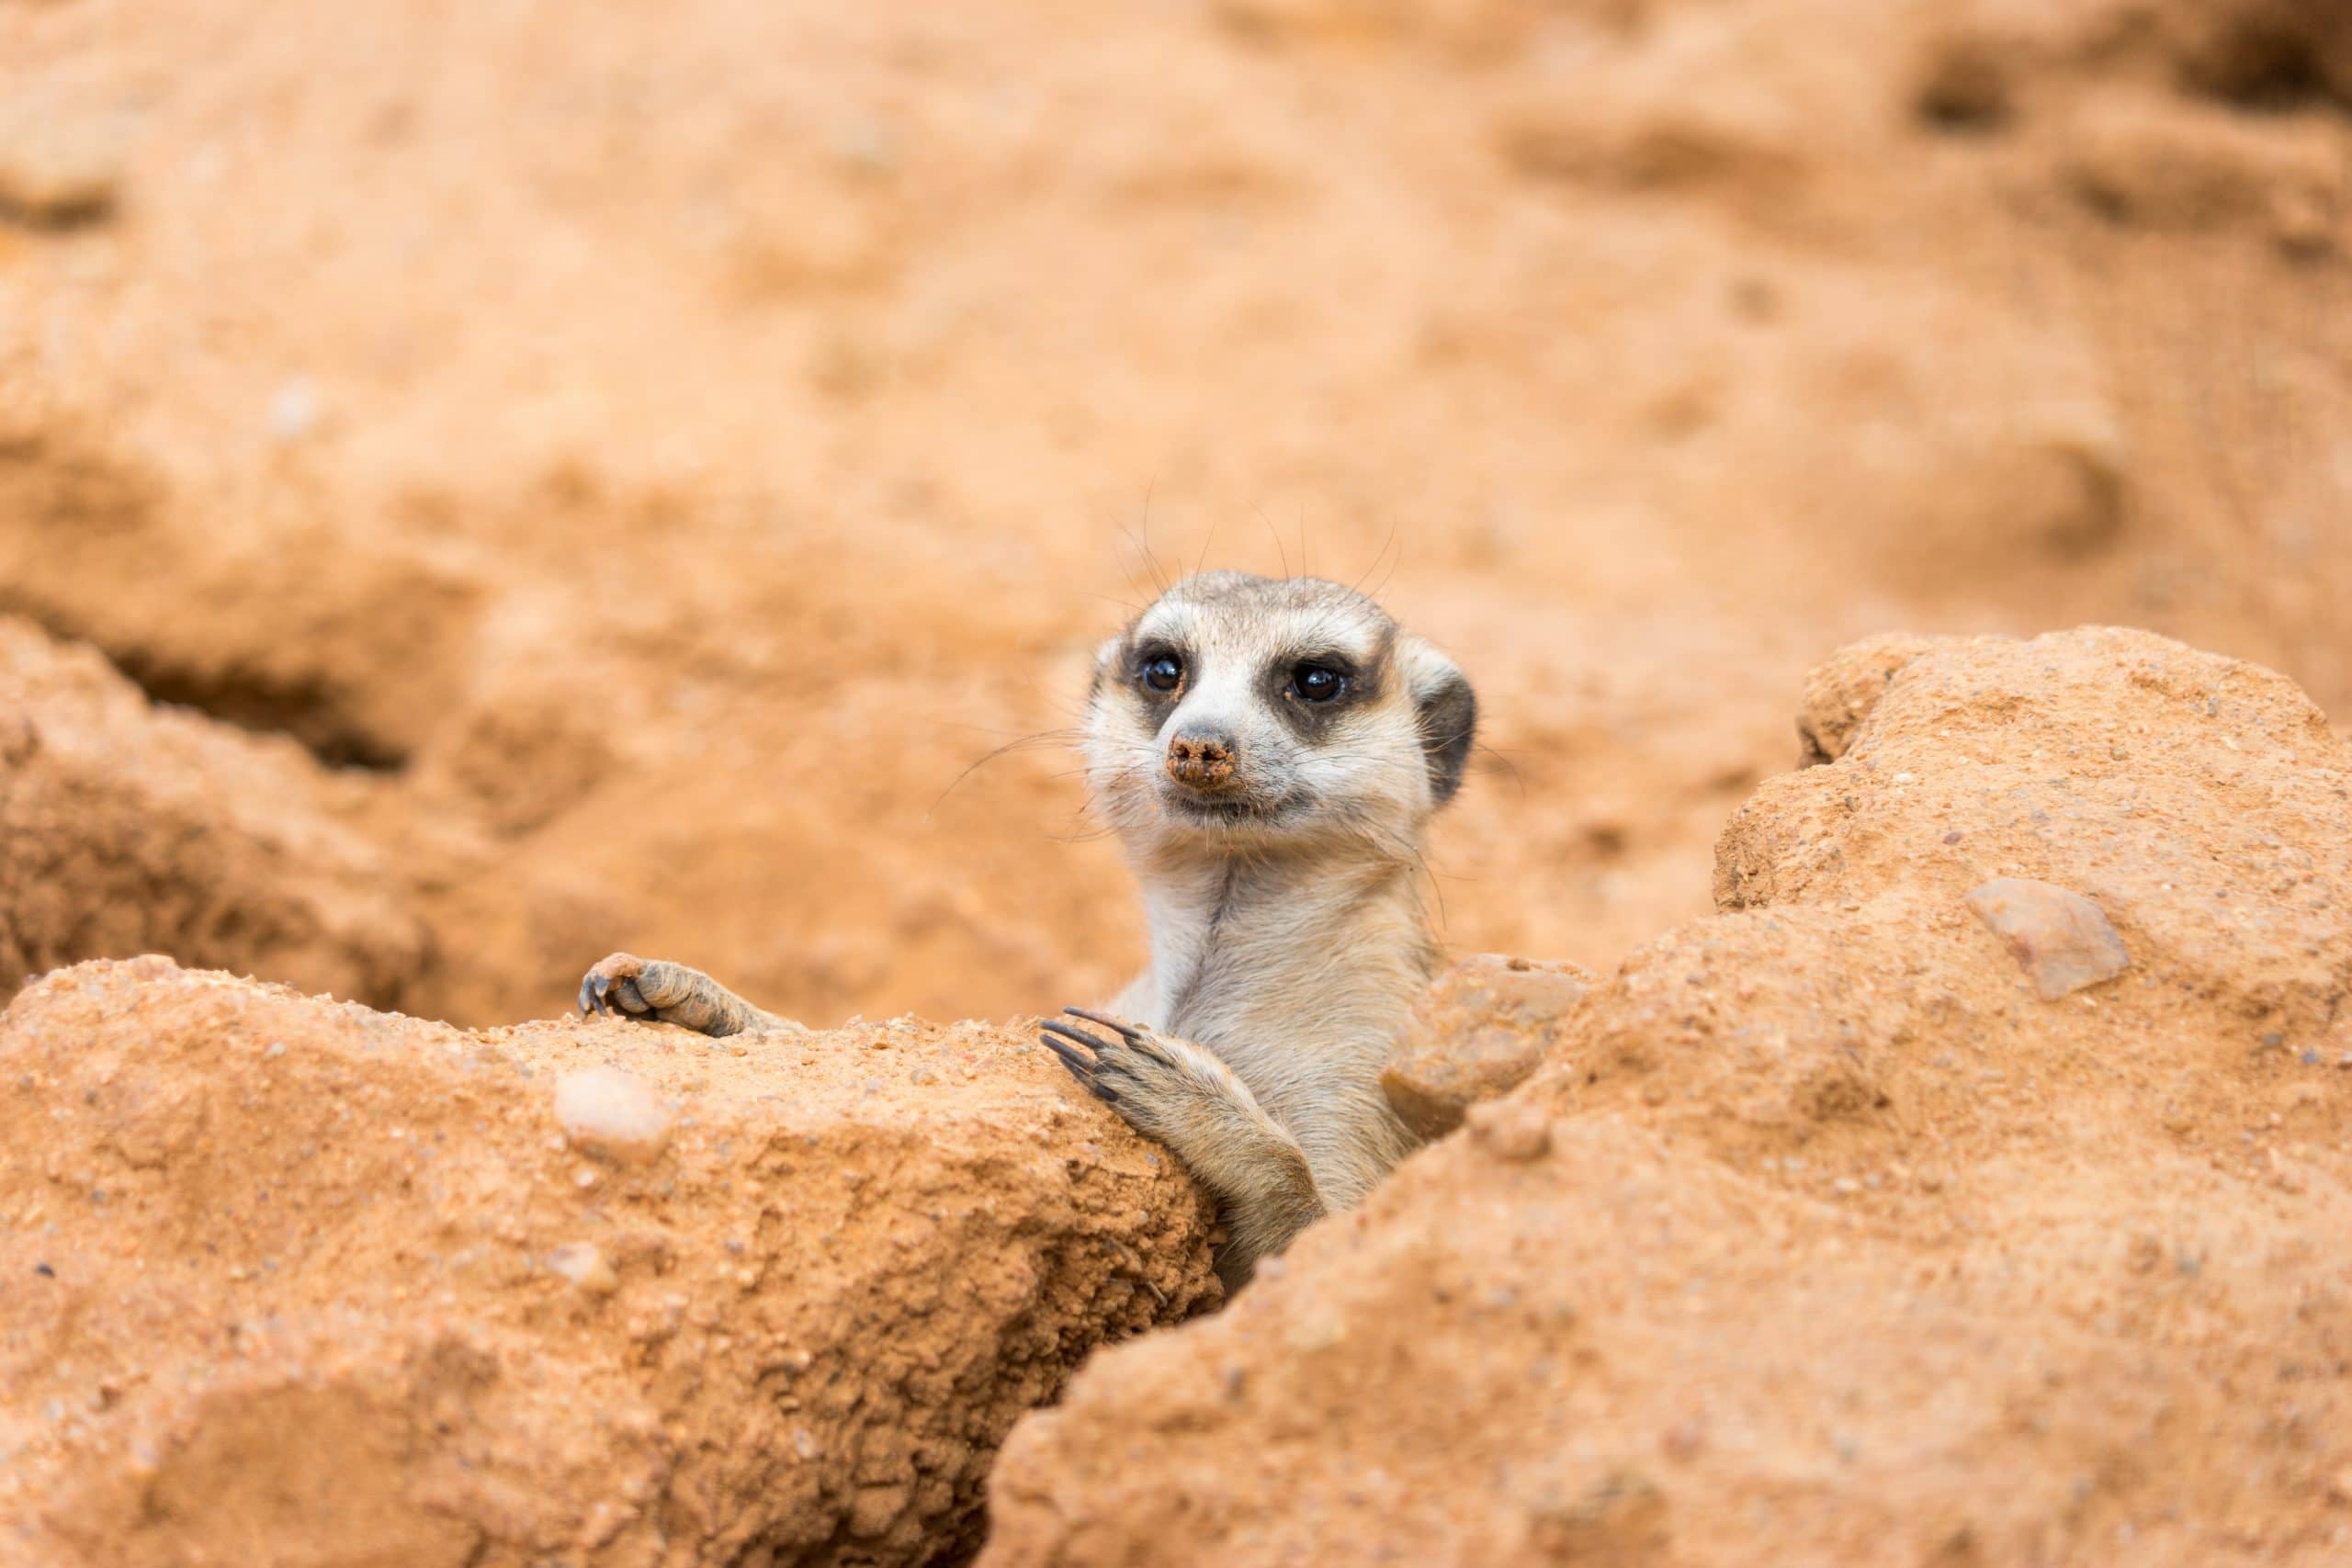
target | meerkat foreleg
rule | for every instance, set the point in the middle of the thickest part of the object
(671, 993)
(1182, 1095)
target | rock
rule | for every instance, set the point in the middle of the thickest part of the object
(126, 828)
(309, 1282)
(2062, 938)
(1511, 1132)
(59, 165)
(609, 1112)
(585, 1264)
(1481, 1028)
(2168, 166)
(1834, 1251)
(1840, 694)
(2188, 796)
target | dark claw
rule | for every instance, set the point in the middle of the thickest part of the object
(1083, 1068)
(587, 1000)
(1077, 1036)
(1123, 1030)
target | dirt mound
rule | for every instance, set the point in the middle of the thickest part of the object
(667, 470)
(1482, 1027)
(1821, 1235)
(293, 1281)
(125, 830)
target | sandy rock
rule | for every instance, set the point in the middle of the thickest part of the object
(2174, 167)
(1479, 1030)
(1812, 1240)
(606, 1112)
(2063, 939)
(290, 1281)
(60, 164)
(126, 828)
(1983, 312)
(1510, 1132)
(1840, 694)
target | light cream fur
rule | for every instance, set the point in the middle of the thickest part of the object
(1284, 952)
(1283, 888)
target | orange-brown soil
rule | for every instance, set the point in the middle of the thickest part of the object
(657, 450)
(292, 1281)
(1824, 1234)
(602, 476)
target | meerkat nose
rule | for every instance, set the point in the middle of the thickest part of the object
(1202, 760)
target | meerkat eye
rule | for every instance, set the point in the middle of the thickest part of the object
(1318, 683)
(1163, 672)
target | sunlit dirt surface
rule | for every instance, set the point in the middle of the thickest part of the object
(659, 449)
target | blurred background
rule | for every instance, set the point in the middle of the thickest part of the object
(645, 454)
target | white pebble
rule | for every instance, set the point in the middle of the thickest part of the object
(612, 1113)
(294, 412)
(585, 1264)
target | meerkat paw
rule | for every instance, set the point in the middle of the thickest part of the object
(626, 986)
(1183, 1095)
(619, 984)
(1162, 1088)
(1115, 1071)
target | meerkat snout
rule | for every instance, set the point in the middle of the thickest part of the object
(1202, 760)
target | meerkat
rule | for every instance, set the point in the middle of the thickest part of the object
(1269, 753)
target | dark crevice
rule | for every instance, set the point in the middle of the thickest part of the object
(1967, 91)
(2266, 64)
(62, 215)
(305, 708)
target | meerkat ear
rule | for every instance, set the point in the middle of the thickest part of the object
(1446, 710)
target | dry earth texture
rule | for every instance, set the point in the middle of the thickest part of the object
(601, 476)
(649, 452)
(1824, 1233)
(292, 1281)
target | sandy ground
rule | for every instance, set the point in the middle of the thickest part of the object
(657, 451)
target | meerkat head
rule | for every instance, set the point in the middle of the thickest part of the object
(1251, 710)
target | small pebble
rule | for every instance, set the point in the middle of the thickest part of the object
(294, 410)
(611, 1113)
(2062, 938)
(1511, 1132)
(585, 1264)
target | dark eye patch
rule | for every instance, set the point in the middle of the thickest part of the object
(1312, 688)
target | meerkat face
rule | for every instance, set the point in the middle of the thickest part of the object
(1256, 709)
